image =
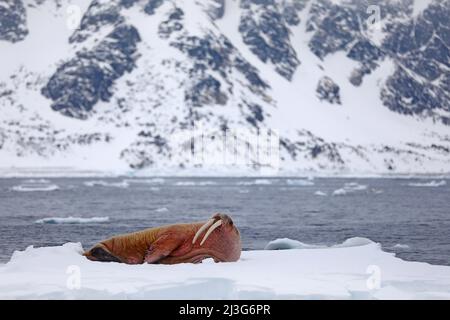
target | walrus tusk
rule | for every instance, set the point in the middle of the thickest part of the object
(202, 228)
(210, 230)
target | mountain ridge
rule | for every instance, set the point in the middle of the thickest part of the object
(135, 74)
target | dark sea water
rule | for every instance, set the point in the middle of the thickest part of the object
(412, 221)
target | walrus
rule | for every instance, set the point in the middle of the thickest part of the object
(175, 243)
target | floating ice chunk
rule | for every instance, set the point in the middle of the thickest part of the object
(354, 242)
(255, 182)
(195, 183)
(340, 192)
(320, 193)
(35, 187)
(72, 220)
(432, 183)
(350, 187)
(146, 181)
(286, 243)
(121, 184)
(164, 209)
(41, 181)
(300, 182)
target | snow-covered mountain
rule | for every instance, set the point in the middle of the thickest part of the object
(118, 85)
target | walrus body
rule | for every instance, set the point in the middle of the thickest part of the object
(172, 244)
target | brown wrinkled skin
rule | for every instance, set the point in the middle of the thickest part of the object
(171, 244)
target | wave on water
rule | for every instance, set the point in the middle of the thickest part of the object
(400, 246)
(72, 220)
(164, 209)
(102, 183)
(432, 183)
(320, 193)
(35, 187)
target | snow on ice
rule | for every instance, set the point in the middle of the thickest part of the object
(355, 269)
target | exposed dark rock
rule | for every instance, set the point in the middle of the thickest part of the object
(152, 5)
(328, 90)
(264, 30)
(80, 83)
(13, 21)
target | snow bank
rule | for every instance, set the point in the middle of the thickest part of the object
(358, 269)
(432, 183)
(72, 220)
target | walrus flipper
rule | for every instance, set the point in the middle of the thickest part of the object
(161, 248)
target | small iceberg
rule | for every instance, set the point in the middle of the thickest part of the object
(286, 243)
(300, 182)
(35, 187)
(350, 187)
(72, 220)
(101, 183)
(432, 183)
(255, 182)
(195, 183)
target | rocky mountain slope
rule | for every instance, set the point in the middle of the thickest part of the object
(121, 85)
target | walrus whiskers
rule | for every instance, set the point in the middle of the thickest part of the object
(210, 230)
(202, 228)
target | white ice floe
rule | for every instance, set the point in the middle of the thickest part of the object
(42, 181)
(102, 183)
(356, 270)
(286, 243)
(163, 209)
(35, 187)
(195, 183)
(255, 182)
(350, 187)
(72, 220)
(320, 193)
(300, 182)
(400, 246)
(145, 181)
(432, 183)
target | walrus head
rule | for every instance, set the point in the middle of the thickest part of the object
(221, 236)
